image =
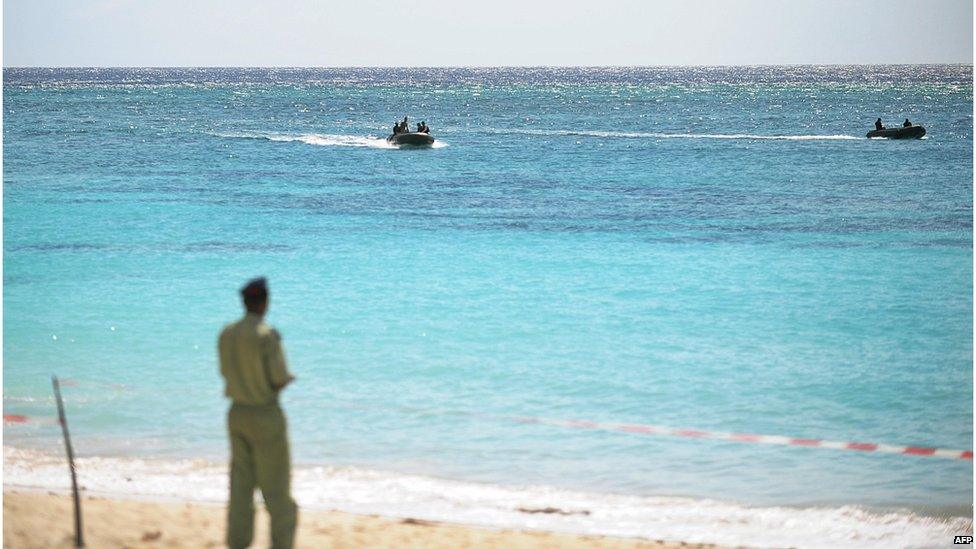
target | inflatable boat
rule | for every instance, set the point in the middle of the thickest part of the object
(904, 132)
(416, 139)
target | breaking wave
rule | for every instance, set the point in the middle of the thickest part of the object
(550, 508)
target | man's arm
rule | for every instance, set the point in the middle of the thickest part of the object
(222, 352)
(277, 366)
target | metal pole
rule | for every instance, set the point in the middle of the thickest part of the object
(79, 542)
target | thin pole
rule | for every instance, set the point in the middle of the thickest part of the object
(79, 542)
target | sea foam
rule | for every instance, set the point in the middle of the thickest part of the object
(365, 491)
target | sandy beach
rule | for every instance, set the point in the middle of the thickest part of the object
(45, 520)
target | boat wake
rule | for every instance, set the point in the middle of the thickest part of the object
(660, 135)
(318, 139)
(321, 139)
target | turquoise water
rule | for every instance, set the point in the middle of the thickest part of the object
(715, 249)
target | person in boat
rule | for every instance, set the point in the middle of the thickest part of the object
(404, 127)
(878, 125)
(396, 128)
(424, 128)
(420, 127)
(907, 124)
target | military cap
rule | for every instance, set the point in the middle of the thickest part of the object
(256, 287)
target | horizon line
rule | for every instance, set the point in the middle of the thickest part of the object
(961, 63)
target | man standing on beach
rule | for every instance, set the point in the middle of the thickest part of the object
(252, 363)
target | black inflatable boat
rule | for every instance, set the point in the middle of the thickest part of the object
(909, 132)
(416, 139)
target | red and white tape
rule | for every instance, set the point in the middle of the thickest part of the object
(644, 429)
(760, 439)
(18, 418)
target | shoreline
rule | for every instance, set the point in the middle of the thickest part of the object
(44, 520)
(539, 510)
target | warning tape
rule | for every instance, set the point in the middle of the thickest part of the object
(644, 429)
(744, 437)
(18, 418)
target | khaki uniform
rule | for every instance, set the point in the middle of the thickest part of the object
(252, 363)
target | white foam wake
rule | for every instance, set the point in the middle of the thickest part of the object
(660, 135)
(526, 507)
(321, 139)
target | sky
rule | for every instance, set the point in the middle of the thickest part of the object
(266, 33)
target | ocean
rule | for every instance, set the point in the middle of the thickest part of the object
(710, 249)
